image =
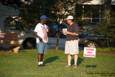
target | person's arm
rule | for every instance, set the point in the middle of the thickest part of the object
(72, 33)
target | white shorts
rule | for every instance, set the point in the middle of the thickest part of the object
(72, 47)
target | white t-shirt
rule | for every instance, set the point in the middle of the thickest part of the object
(41, 32)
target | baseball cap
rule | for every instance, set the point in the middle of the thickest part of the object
(43, 17)
(70, 17)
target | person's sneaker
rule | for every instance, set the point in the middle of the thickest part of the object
(67, 66)
(41, 64)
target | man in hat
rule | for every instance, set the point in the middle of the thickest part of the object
(71, 45)
(41, 30)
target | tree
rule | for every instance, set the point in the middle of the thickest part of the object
(62, 8)
(107, 26)
(12, 3)
(107, 6)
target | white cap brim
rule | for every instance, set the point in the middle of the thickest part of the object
(70, 18)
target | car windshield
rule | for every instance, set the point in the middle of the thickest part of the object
(13, 25)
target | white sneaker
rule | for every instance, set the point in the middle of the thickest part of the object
(40, 63)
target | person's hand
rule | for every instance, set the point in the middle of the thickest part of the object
(64, 31)
(40, 40)
(75, 34)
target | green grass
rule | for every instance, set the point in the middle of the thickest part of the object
(24, 64)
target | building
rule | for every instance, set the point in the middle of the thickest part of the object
(92, 11)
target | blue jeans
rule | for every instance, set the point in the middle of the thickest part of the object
(41, 47)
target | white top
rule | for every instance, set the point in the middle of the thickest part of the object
(41, 32)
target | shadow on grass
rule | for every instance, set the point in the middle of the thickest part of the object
(91, 66)
(51, 59)
(80, 60)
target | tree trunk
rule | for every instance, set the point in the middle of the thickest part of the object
(107, 7)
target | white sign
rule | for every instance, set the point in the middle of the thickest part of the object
(89, 52)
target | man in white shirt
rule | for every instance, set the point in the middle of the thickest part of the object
(41, 30)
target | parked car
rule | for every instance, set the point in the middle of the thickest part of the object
(97, 40)
(15, 34)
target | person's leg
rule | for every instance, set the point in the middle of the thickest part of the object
(76, 52)
(67, 52)
(40, 53)
(41, 57)
(44, 49)
(75, 59)
(69, 58)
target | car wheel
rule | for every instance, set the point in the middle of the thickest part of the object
(29, 43)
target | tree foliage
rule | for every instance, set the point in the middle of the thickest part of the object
(56, 9)
(107, 26)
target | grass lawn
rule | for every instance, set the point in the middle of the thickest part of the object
(24, 64)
